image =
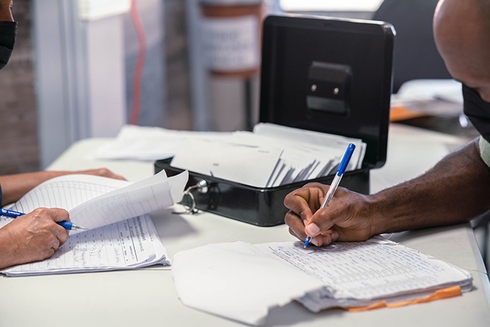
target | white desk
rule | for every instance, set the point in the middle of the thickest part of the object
(147, 297)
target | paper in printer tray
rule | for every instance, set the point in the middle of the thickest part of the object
(329, 75)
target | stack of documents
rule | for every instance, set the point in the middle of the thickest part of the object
(128, 244)
(427, 97)
(121, 235)
(247, 280)
(271, 155)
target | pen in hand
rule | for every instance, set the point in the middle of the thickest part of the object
(336, 181)
(68, 225)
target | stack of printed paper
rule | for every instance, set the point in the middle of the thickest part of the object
(272, 155)
(246, 280)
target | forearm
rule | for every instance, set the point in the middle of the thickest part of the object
(454, 191)
(15, 186)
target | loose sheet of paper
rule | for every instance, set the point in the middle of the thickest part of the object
(149, 143)
(241, 275)
(237, 281)
(95, 201)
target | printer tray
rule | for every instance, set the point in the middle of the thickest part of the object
(254, 205)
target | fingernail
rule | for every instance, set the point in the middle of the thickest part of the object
(335, 236)
(312, 229)
(315, 241)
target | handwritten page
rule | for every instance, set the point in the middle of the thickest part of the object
(363, 271)
(127, 244)
(344, 274)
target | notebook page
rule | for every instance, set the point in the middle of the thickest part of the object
(127, 244)
(67, 192)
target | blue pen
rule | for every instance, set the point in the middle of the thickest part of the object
(336, 181)
(68, 225)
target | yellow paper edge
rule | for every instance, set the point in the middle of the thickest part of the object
(437, 295)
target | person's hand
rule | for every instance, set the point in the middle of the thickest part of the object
(32, 237)
(104, 172)
(344, 219)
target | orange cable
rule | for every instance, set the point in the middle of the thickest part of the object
(140, 63)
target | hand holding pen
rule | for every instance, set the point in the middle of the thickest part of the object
(336, 181)
(33, 236)
(68, 225)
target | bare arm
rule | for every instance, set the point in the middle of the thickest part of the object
(36, 235)
(455, 190)
(15, 186)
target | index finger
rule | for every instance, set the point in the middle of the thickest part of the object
(58, 214)
(305, 200)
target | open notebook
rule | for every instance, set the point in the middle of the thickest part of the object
(247, 280)
(121, 235)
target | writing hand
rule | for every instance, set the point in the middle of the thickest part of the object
(345, 219)
(32, 237)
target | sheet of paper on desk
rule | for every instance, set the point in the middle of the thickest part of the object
(127, 244)
(244, 281)
(149, 143)
(258, 277)
(434, 97)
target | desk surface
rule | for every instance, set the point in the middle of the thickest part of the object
(146, 297)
